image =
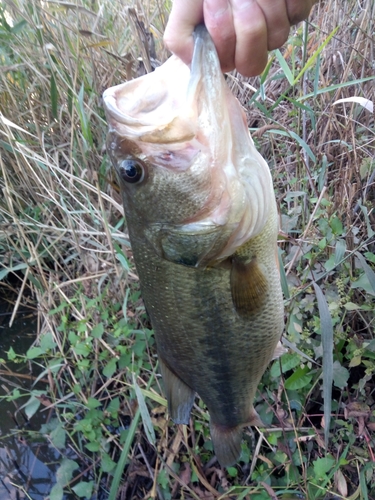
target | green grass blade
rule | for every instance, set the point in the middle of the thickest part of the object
(301, 142)
(54, 96)
(315, 55)
(326, 327)
(123, 457)
(367, 269)
(370, 231)
(335, 87)
(146, 419)
(284, 282)
(284, 66)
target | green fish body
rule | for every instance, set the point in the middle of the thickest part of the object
(202, 221)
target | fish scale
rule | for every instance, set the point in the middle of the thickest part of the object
(203, 234)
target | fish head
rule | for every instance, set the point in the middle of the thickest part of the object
(187, 167)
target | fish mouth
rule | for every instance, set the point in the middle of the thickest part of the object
(152, 108)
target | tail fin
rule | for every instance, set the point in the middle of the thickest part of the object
(227, 440)
(227, 443)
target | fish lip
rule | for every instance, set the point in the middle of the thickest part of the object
(112, 110)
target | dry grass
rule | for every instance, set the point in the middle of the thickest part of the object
(63, 246)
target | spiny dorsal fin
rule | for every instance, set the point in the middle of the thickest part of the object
(248, 286)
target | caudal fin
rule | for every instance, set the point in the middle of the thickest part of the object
(227, 440)
(227, 443)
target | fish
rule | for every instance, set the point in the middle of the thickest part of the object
(203, 224)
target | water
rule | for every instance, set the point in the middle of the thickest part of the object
(28, 463)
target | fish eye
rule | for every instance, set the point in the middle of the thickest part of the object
(131, 171)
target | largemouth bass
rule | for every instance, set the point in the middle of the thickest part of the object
(202, 221)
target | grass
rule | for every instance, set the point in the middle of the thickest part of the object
(65, 254)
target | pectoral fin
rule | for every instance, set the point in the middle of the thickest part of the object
(279, 350)
(179, 396)
(248, 286)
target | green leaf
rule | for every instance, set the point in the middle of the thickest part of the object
(370, 230)
(340, 250)
(299, 379)
(322, 466)
(363, 485)
(84, 489)
(65, 472)
(283, 279)
(325, 90)
(11, 354)
(300, 141)
(110, 368)
(363, 282)
(147, 424)
(330, 263)
(97, 331)
(93, 447)
(336, 225)
(123, 261)
(163, 478)
(340, 375)
(93, 403)
(315, 55)
(232, 471)
(355, 361)
(113, 406)
(34, 352)
(284, 66)
(57, 492)
(47, 342)
(7, 270)
(85, 123)
(82, 349)
(31, 407)
(58, 436)
(107, 463)
(288, 362)
(350, 306)
(54, 96)
(367, 269)
(17, 28)
(326, 327)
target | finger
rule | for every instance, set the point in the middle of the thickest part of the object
(298, 10)
(178, 36)
(251, 37)
(219, 22)
(278, 26)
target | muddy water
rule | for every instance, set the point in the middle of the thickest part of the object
(27, 463)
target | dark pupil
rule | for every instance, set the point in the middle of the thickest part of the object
(131, 171)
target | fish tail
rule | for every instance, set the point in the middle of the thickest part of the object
(227, 443)
(227, 440)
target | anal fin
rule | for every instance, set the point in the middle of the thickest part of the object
(180, 397)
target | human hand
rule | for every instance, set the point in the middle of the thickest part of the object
(242, 30)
